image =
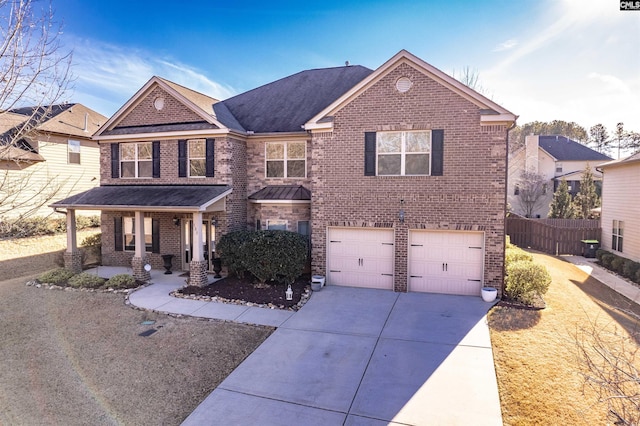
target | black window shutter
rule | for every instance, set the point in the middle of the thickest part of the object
(210, 157)
(258, 225)
(437, 152)
(115, 160)
(182, 158)
(156, 159)
(117, 233)
(369, 153)
(155, 236)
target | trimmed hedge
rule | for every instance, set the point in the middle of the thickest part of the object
(85, 280)
(621, 265)
(38, 226)
(525, 280)
(515, 254)
(121, 281)
(58, 276)
(269, 255)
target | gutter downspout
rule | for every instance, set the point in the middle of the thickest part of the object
(506, 190)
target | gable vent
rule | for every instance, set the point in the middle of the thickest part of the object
(403, 84)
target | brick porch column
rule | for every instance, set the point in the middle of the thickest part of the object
(72, 256)
(198, 266)
(140, 258)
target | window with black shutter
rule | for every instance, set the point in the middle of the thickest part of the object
(404, 153)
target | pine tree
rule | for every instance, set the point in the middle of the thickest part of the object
(561, 205)
(587, 199)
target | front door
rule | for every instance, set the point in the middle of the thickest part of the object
(208, 245)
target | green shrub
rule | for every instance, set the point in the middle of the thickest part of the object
(515, 254)
(630, 269)
(276, 255)
(231, 248)
(617, 263)
(600, 253)
(85, 280)
(525, 280)
(93, 247)
(84, 222)
(58, 276)
(121, 281)
(607, 258)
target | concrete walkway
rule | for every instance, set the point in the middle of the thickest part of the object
(350, 356)
(603, 275)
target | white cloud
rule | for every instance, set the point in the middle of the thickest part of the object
(107, 75)
(575, 61)
(509, 44)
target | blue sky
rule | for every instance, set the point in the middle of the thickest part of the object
(573, 60)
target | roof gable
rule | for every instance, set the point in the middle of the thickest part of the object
(140, 115)
(287, 104)
(491, 113)
(565, 149)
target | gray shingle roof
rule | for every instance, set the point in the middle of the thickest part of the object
(188, 197)
(286, 104)
(565, 149)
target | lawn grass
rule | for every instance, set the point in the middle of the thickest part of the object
(537, 359)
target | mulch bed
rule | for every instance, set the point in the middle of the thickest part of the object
(249, 291)
(537, 305)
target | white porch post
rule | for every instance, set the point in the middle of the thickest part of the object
(198, 266)
(72, 256)
(139, 258)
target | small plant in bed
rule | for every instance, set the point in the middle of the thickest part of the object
(85, 280)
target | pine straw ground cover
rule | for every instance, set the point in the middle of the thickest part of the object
(536, 352)
(77, 358)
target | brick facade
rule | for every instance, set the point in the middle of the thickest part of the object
(469, 195)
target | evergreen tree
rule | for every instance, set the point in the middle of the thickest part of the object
(587, 199)
(561, 205)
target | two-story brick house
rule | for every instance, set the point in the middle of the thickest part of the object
(397, 174)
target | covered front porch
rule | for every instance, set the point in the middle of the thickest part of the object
(142, 224)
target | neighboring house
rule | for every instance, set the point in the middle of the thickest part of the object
(54, 159)
(620, 217)
(555, 158)
(397, 174)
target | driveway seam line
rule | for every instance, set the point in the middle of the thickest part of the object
(371, 357)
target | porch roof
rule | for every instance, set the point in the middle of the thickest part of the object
(281, 193)
(175, 198)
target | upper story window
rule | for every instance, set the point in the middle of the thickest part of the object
(411, 153)
(403, 153)
(73, 150)
(558, 167)
(197, 152)
(286, 159)
(136, 160)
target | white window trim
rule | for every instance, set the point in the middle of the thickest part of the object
(69, 152)
(286, 223)
(615, 233)
(403, 152)
(285, 159)
(136, 161)
(148, 230)
(189, 158)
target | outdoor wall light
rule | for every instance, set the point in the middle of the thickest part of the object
(176, 221)
(289, 293)
(401, 214)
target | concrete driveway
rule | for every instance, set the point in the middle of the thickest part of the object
(355, 356)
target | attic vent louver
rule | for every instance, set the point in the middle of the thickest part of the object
(403, 84)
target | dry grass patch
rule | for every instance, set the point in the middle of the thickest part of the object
(536, 354)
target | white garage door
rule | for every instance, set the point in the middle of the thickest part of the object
(358, 257)
(446, 262)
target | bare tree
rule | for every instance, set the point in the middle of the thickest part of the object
(34, 76)
(599, 138)
(609, 360)
(531, 189)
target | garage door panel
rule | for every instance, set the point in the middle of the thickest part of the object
(361, 257)
(446, 261)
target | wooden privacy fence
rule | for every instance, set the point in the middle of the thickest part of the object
(553, 236)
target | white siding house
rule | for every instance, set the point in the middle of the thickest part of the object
(621, 207)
